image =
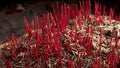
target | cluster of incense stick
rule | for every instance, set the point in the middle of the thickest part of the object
(68, 37)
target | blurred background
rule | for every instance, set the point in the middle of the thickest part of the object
(13, 11)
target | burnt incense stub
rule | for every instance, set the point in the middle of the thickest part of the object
(68, 37)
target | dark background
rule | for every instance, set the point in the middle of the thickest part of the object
(109, 3)
(14, 23)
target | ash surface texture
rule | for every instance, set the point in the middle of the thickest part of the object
(14, 23)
